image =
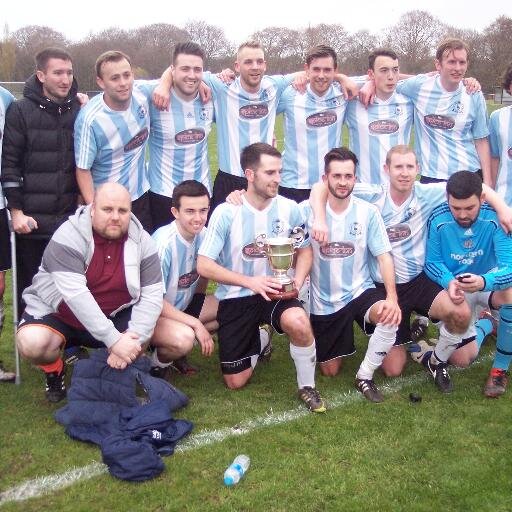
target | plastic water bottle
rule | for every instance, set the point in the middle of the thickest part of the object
(236, 470)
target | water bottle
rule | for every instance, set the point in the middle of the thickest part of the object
(236, 470)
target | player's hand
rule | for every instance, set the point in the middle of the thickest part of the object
(472, 85)
(127, 347)
(205, 92)
(226, 76)
(350, 88)
(471, 283)
(389, 312)
(204, 339)
(300, 82)
(82, 98)
(116, 362)
(161, 97)
(455, 293)
(320, 232)
(21, 223)
(235, 197)
(505, 218)
(263, 285)
(367, 93)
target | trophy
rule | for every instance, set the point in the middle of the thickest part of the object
(280, 252)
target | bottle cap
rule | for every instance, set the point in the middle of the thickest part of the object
(228, 480)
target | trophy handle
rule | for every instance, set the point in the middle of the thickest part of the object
(260, 240)
(297, 235)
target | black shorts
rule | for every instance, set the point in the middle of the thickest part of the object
(426, 180)
(160, 210)
(415, 296)
(72, 337)
(295, 194)
(142, 210)
(334, 333)
(224, 184)
(239, 320)
(196, 305)
(5, 241)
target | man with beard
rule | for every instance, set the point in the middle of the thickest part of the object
(229, 256)
(470, 255)
(99, 285)
(342, 290)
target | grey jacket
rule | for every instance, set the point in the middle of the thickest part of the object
(61, 277)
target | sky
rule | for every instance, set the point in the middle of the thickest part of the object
(78, 19)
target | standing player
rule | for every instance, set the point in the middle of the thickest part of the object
(6, 98)
(111, 133)
(342, 289)
(229, 256)
(501, 143)
(188, 314)
(470, 255)
(178, 140)
(450, 124)
(312, 123)
(385, 123)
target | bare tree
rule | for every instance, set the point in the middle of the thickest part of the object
(212, 40)
(283, 48)
(28, 41)
(414, 38)
(497, 38)
(359, 46)
(7, 56)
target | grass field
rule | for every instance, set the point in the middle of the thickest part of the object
(448, 452)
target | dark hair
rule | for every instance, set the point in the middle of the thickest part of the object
(449, 45)
(507, 78)
(400, 149)
(45, 55)
(251, 155)
(187, 48)
(110, 56)
(380, 52)
(320, 51)
(464, 184)
(189, 188)
(340, 155)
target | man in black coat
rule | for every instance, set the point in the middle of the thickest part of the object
(38, 162)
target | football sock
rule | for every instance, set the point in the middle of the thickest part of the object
(483, 328)
(446, 345)
(56, 366)
(156, 362)
(305, 362)
(379, 344)
(504, 340)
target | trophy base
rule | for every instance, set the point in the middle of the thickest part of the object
(287, 292)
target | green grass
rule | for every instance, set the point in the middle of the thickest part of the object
(449, 452)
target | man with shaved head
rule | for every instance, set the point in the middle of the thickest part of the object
(99, 285)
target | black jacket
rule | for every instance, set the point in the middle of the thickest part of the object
(38, 158)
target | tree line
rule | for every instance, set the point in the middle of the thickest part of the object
(414, 38)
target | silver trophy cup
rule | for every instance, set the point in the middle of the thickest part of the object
(280, 252)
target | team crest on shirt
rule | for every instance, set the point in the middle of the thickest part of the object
(321, 119)
(398, 110)
(409, 213)
(457, 107)
(253, 111)
(383, 127)
(187, 280)
(204, 116)
(398, 232)
(189, 137)
(468, 243)
(439, 122)
(337, 250)
(141, 112)
(137, 141)
(277, 227)
(356, 229)
(509, 153)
